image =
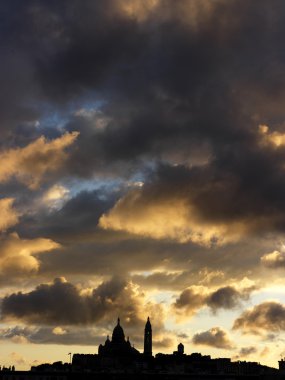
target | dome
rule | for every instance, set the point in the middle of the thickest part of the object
(118, 335)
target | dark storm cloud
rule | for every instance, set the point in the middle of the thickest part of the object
(261, 319)
(174, 85)
(188, 89)
(108, 252)
(62, 303)
(212, 204)
(215, 337)
(76, 219)
(157, 76)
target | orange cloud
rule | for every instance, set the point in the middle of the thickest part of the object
(275, 138)
(17, 255)
(8, 215)
(138, 9)
(275, 259)
(31, 163)
(174, 219)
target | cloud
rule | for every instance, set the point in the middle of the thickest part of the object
(62, 303)
(163, 343)
(166, 120)
(244, 352)
(80, 335)
(37, 160)
(69, 218)
(9, 216)
(17, 256)
(196, 297)
(47, 335)
(262, 319)
(227, 298)
(275, 259)
(191, 300)
(164, 219)
(55, 197)
(275, 138)
(215, 337)
(17, 358)
(195, 205)
(58, 331)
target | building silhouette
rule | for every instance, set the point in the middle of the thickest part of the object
(118, 346)
(148, 339)
(117, 359)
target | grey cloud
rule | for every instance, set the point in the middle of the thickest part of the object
(61, 303)
(78, 218)
(46, 335)
(263, 318)
(156, 83)
(215, 337)
(246, 351)
(228, 297)
(76, 335)
(191, 300)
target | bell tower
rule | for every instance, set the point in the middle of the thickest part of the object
(147, 339)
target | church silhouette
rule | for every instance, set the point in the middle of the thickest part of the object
(118, 346)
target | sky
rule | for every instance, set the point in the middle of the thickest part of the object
(142, 174)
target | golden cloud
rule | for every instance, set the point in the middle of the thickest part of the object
(275, 259)
(16, 255)
(62, 303)
(226, 297)
(275, 138)
(137, 9)
(174, 219)
(8, 215)
(58, 331)
(31, 163)
(187, 12)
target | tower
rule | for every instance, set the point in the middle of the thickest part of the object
(147, 339)
(180, 349)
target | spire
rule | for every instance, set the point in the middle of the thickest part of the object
(118, 320)
(148, 322)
